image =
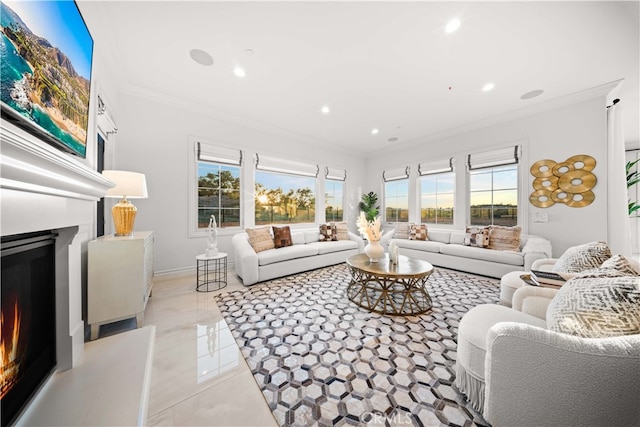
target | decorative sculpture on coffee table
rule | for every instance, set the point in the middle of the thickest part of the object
(370, 230)
(212, 238)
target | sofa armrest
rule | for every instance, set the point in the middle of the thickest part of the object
(386, 237)
(539, 377)
(544, 264)
(246, 259)
(533, 300)
(359, 240)
(534, 249)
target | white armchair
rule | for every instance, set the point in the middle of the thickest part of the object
(517, 372)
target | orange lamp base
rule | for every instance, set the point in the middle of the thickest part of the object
(124, 216)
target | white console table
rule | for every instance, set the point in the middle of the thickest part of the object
(108, 387)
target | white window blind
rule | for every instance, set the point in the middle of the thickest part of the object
(216, 154)
(395, 174)
(335, 174)
(438, 166)
(272, 164)
(488, 159)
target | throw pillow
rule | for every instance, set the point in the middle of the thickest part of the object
(504, 238)
(622, 264)
(260, 238)
(583, 257)
(328, 233)
(600, 272)
(476, 236)
(418, 232)
(282, 237)
(402, 230)
(342, 230)
(596, 307)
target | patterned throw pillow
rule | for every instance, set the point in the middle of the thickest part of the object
(596, 307)
(282, 237)
(582, 257)
(342, 230)
(402, 230)
(260, 238)
(622, 264)
(418, 232)
(328, 233)
(504, 238)
(477, 236)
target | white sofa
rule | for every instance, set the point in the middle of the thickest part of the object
(306, 253)
(445, 248)
(517, 372)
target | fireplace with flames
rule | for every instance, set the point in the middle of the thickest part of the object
(28, 340)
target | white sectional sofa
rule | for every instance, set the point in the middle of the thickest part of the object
(445, 248)
(306, 253)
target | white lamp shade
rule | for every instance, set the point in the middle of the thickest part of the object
(132, 185)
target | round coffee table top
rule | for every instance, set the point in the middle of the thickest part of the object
(406, 267)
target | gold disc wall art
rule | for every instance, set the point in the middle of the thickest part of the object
(570, 182)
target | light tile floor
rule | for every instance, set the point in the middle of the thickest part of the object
(199, 375)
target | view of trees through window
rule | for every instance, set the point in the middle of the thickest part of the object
(396, 201)
(493, 194)
(284, 199)
(334, 196)
(218, 194)
(437, 198)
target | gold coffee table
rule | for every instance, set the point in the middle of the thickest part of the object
(386, 288)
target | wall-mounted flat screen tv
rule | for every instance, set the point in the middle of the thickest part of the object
(46, 53)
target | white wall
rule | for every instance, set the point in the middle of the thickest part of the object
(153, 139)
(556, 134)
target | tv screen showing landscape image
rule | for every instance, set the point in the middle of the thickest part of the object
(46, 54)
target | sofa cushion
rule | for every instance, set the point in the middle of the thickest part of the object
(503, 238)
(456, 237)
(286, 253)
(297, 238)
(260, 238)
(402, 230)
(336, 246)
(328, 233)
(419, 245)
(476, 236)
(342, 230)
(311, 236)
(282, 237)
(582, 257)
(441, 236)
(418, 232)
(622, 264)
(596, 307)
(504, 257)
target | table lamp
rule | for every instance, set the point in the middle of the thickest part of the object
(130, 185)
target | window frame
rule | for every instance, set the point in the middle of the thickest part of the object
(342, 202)
(384, 200)
(435, 176)
(518, 189)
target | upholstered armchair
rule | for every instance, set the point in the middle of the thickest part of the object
(516, 371)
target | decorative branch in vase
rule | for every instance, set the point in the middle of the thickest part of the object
(372, 232)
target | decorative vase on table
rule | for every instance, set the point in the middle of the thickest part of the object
(374, 250)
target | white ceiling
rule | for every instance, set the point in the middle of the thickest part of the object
(387, 65)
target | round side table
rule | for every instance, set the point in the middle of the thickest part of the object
(212, 272)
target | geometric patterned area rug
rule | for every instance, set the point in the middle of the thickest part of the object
(319, 359)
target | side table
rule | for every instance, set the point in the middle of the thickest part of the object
(212, 272)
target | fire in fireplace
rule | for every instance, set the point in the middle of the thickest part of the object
(28, 338)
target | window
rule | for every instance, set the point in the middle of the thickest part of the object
(219, 190)
(284, 192)
(396, 194)
(437, 193)
(334, 194)
(218, 194)
(493, 187)
(494, 196)
(333, 200)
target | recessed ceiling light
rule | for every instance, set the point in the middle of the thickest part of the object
(239, 71)
(532, 94)
(249, 51)
(393, 139)
(325, 110)
(201, 57)
(488, 87)
(374, 131)
(453, 25)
